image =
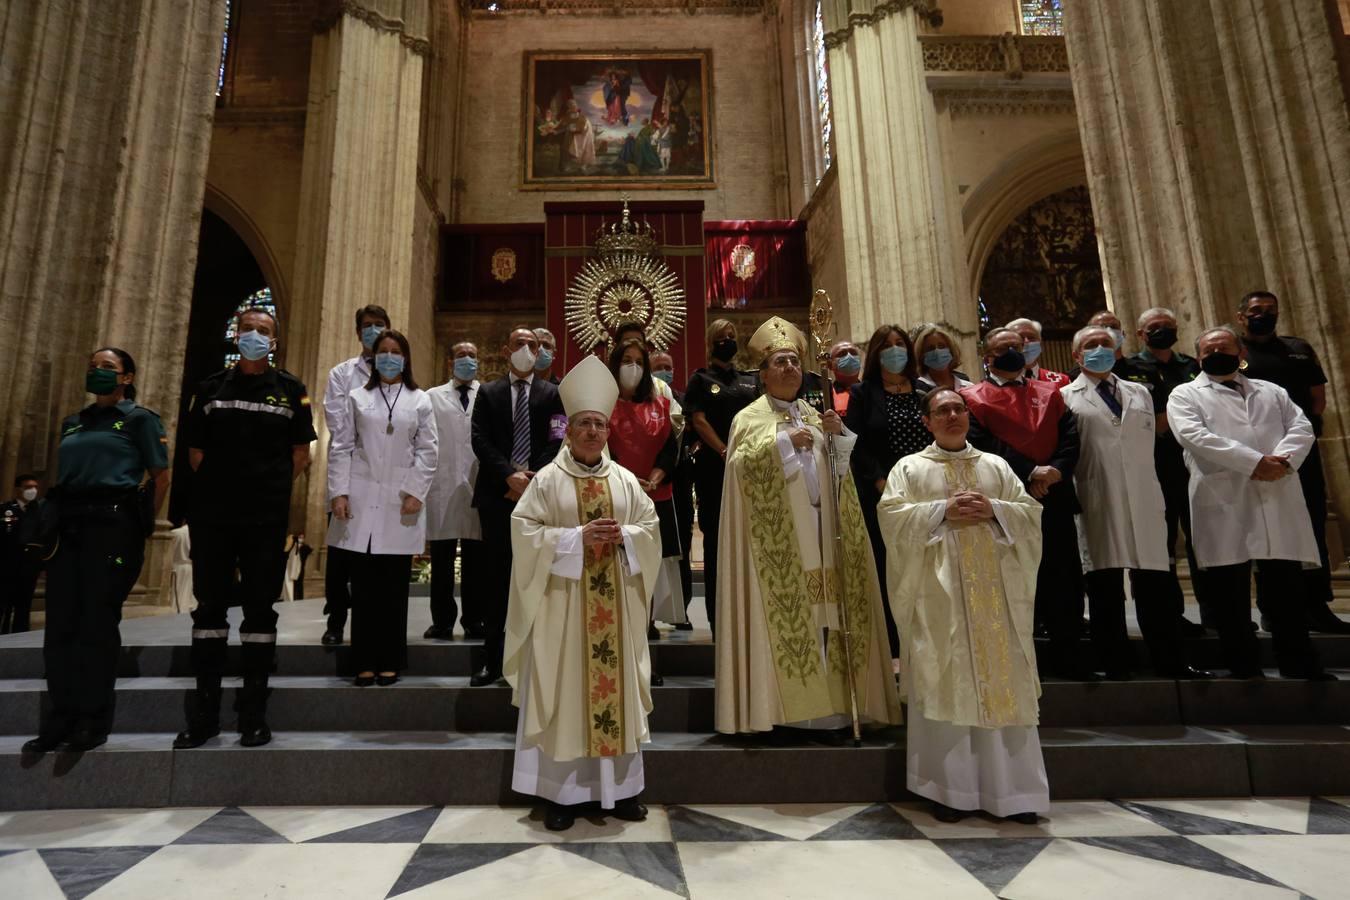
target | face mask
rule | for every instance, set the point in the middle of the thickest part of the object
(1261, 324)
(1160, 338)
(544, 359)
(1010, 360)
(894, 359)
(1031, 351)
(666, 375)
(629, 376)
(100, 381)
(253, 346)
(1116, 335)
(370, 333)
(389, 364)
(522, 360)
(29, 495)
(1220, 363)
(724, 350)
(848, 364)
(466, 368)
(1099, 360)
(938, 359)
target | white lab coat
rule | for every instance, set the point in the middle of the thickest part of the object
(375, 470)
(343, 378)
(450, 512)
(1123, 524)
(1224, 435)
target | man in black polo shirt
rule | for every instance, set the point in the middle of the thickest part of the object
(248, 431)
(1292, 363)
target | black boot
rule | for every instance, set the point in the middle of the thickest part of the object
(253, 730)
(204, 718)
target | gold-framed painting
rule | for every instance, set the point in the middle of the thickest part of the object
(609, 120)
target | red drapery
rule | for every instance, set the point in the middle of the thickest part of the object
(780, 277)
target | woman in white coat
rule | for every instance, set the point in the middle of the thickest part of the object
(1123, 524)
(380, 467)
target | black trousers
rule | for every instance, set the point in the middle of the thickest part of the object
(94, 569)
(1059, 586)
(1279, 584)
(869, 512)
(337, 579)
(1156, 596)
(496, 524)
(708, 472)
(380, 611)
(471, 561)
(684, 519)
(257, 551)
(17, 583)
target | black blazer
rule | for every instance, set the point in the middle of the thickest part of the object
(493, 433)
(871, 459)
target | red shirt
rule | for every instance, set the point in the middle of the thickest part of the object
(637, 433)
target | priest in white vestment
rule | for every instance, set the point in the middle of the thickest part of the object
(586, 547)
(963, 543)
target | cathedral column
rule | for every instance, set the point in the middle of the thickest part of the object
(900, 258)
(358, 198)
(1218, 153)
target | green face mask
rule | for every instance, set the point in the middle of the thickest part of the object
(101, 381)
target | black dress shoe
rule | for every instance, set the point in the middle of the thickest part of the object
(558, 817)
(1120, 675)
(331, 638)
(474, 634)
(657, 680)
(684, 626)
(194, 736)
(1310, 676)
(630, 809)
(1247, 674)
(485, 676)
(1189, 673)
(1321, 619)
(653, 633)
(1191, 629)
(1027, 818)
(386, 680)
(255, 734)
(438, 634)
(44, 743)
(944, 813)
(82, 741)
(363, 680)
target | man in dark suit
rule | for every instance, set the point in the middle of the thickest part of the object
(518, 426)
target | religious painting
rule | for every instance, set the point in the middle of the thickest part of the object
(603, 121)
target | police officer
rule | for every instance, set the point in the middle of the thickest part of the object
(248, 435)
(106, 452)
(19, 567)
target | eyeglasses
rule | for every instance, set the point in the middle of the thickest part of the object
(786, 362)
(950, 409)
(591, 425)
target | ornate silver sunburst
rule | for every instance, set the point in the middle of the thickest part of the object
(620, 288)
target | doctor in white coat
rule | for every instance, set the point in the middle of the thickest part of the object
(380, 468)
(1243, 441)
(1123, 524)
(452, 522)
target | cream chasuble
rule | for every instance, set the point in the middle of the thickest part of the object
(779, 585)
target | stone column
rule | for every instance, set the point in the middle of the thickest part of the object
(358, 198)
(901, 262)
(1218, 152)
(105, 128)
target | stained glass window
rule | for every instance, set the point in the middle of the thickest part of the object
(822, 89)
(1042, 16)
(224, 51)
(263, 299)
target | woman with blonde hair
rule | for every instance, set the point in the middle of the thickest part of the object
(937, 356)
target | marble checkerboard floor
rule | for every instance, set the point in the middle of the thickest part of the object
(1194, 849)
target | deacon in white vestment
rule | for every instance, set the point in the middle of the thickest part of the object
(963, 543)
(586, 548)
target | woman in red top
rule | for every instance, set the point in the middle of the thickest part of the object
(643, 441)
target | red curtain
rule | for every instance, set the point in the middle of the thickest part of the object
(780, 277)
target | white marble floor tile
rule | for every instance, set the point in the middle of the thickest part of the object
(798, 821)
(1316, 864)
(1343, 801)
(522, 824)
(1282, 813)
(98, 827)
(1093, 818)
(540, 872)
(232, 871)
(1066, 870)
(25, 875)
(853, 869)
(302, 823)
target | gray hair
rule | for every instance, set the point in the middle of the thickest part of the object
(1018, 323)
(543, 334)
(1226, 329)
(1081, 335)
(1152, 313)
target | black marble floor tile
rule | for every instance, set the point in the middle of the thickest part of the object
(82, 870)
(232, 826)
(1194, 824)
(653, 862)
(994, 861)
(406, 828)
(436, 862)
(879, 822)
(1326, 817)
(1180, 851)
(692, 825)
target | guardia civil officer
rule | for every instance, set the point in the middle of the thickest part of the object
(114, 473)
(248, 433)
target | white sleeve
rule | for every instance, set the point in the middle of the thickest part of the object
(340, 450)
(843, 450)
(426, 450)
(787, 454)
(1191, 430)
(629, 553)
(570, 557)
(937, 521)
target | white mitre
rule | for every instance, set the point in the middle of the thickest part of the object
(589, 387)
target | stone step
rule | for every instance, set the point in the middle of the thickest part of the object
(348, 768)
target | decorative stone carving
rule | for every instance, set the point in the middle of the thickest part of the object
(1005, 101)
(1009, 54)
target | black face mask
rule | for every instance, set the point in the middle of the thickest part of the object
(1161, 338)
(724, 350)
(1261, 324)
(1220, 363)
(1010, 360)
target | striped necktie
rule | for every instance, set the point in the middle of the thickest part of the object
(520, 441)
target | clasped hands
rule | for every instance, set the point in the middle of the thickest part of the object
(968, 506)
(516, 483)
(601, 531)
(1042, 478)
(830, 423)
(1271, 468)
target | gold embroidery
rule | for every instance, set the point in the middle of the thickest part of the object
(601, 591)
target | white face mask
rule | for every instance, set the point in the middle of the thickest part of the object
(522, 360)
(629, 376)
(29, 495)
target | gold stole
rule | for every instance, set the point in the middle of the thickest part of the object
(987, 620)
(600, 590)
